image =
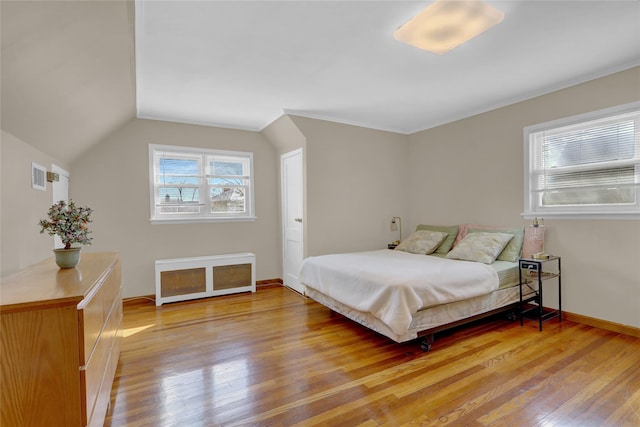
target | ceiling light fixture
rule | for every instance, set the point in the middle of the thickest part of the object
(446, 24)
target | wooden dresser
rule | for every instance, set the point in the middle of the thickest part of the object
(61, 333)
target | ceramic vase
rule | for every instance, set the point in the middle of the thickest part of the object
(67, 258)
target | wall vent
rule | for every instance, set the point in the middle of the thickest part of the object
(38, 177)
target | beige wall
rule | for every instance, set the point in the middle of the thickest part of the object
(21, 206)
(356, 181)
(113, 178)
(472, 171)
(286, 137)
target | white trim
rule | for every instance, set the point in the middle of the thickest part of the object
(202, 217)
(201, 150)
(298, 287)
(581, 215)
(622, 212)
(57, 169)
(56, 188)
(585, 117)
(202, 220)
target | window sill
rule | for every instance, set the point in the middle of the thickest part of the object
(201, 220)
(632, 215)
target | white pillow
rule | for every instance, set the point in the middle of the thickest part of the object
(422, 242)
(480, 247)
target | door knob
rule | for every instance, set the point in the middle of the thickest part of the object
(298, 220)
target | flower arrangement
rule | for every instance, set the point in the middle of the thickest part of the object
(69, 222)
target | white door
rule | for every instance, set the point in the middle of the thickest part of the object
(60, 190)
(291, 175)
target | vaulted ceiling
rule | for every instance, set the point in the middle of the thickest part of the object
(71, 73)
(68, 76)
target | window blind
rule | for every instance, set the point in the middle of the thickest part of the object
(589, 163)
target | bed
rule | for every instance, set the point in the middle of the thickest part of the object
(413, 292)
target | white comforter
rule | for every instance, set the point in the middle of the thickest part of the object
(394, 285)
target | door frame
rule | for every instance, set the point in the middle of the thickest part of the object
(283, 194)
(63, 175)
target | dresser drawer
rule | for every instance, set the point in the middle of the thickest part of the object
(98, 368)
(95, 311)
(104, 393)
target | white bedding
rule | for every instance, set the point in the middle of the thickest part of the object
(394, 285)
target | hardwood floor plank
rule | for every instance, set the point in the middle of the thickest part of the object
(541, 392)
(628, 413)
(489, 388)
(614, 372)
(274, 358)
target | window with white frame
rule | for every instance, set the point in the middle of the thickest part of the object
(585, 166)
(197, 185)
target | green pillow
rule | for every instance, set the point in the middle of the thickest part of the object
(451, 230)
(422, 242)
(512, 251)
(480, 247)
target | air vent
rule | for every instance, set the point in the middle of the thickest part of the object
(38, 177)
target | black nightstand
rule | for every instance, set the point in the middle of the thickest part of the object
(533, 273)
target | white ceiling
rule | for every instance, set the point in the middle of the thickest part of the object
(70, 75)
(243, 64)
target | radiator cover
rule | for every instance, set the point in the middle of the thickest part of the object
(183, 279)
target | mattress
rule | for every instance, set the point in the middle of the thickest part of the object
(507, 271)
(394, 285)
(429, 318)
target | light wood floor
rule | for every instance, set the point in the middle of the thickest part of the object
(275, 359)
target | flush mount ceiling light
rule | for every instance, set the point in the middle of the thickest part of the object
(446, 24)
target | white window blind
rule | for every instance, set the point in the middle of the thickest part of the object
(588, 164)
(189, 184)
